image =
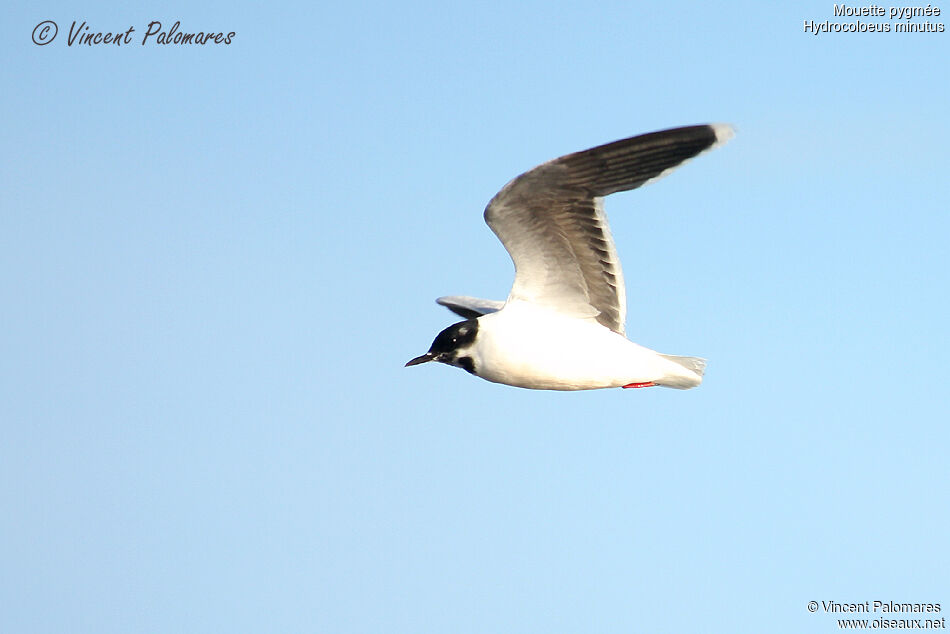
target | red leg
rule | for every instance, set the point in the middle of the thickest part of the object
(646, 384)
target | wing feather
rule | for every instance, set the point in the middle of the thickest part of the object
(551, 219)
(469, 307)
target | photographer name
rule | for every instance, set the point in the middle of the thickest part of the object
(875, 606)
(82, 34)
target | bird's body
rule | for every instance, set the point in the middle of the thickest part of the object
(562, 326)
(534, 347)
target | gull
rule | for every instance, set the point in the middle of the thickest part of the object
(562, 326)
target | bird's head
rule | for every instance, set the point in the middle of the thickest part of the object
(453, 346)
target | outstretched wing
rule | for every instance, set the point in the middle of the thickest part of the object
(470, 307)
(551, 219)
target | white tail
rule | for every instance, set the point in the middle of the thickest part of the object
(696, 367)
(694, 364)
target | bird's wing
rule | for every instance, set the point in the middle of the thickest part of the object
(551, 219)
(470, 307)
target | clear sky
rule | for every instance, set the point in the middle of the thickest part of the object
(215, 260)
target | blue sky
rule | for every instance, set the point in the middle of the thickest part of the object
(216, 261)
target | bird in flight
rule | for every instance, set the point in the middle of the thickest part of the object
(562, 326)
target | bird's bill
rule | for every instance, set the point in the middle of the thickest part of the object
(423, 359)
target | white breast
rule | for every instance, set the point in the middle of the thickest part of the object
(533, 347)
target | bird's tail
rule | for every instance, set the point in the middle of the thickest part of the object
(695, 367)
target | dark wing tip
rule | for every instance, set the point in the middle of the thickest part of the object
(629, 163)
